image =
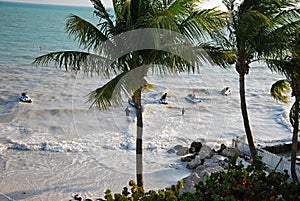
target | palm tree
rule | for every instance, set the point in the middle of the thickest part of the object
(290, 67)
(252, 25)
(119, 46)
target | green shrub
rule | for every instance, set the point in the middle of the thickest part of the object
(251, 183)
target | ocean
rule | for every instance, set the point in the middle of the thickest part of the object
(56, 146)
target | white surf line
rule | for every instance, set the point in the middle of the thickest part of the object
(7, 197)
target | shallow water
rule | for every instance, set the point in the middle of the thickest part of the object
(57, 147)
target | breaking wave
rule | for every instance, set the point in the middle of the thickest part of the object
(64, 146)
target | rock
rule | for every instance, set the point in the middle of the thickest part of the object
(196, 145)
(192, 150)
(230, 151)
(199, 169)
(214, 164)
(77, 197)
(207, 170)
(193, 177)
(189, 183)
(205, 152)
(215, 159)
(189, 187)
(221, 149)
(188, 157)
(195, 163)
(171, 151)
(177, 147)
(179, 150)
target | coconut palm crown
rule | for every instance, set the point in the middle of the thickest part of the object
(255, 32)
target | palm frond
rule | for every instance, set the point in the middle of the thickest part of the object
(279, 89)
(163, 20)
(121, 12)
(114, 91)
(148, 86)
(103, 14)
(107, 95)
(77, 61)
(178, 7)
(68, 59)
(86, 34)
(219, 55)
(203, 24)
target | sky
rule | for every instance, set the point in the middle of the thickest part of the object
(107, 3)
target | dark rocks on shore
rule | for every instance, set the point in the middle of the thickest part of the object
(216, 163)
(203, 161)
(181, 150)
(195, 147)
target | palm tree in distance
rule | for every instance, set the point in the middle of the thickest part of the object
(290, 67)
(114, 48)
(252, 26)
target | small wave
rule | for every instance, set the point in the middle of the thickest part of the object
(64, 146)
(47, 112)
(282, 118)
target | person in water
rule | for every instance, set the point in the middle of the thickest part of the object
(225, 90)
(127, 111)
(182, 111)
(194, 94)
(164, 97)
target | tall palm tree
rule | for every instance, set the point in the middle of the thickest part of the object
(106, 49)
(252, 25)
(290, 67)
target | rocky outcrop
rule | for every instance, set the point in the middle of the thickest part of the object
(204, 161)
(202, 169)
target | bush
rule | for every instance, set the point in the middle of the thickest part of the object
(251, 183)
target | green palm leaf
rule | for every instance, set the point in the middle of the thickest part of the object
(75, 61)
(107, 95)
(279, 89)
(67, 59)
(86, 34)
(103, 14)
(219, 55)
(114, 91)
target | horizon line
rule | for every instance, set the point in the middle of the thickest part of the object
(51, 4)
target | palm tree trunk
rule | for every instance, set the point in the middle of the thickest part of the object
(139, 138)
(245, 115)
(295, 140)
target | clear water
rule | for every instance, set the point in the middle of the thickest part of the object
(57, 147)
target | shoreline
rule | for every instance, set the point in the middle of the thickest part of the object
(160, 175)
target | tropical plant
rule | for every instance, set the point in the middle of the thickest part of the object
(290, 67)
(114, 48)
(252, 26)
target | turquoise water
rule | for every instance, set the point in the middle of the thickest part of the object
(25, 27)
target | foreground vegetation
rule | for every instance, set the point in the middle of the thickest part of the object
(237, 183)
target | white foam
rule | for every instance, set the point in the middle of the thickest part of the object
(96, 149)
